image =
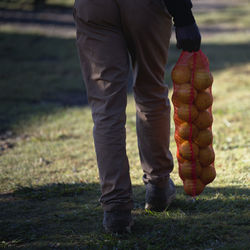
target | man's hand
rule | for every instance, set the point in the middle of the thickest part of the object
(188, 38)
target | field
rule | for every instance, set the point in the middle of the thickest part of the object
(49, 181)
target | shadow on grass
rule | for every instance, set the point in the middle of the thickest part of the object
(36, 13)
(41, 75)
(35, 4)
(70, 216)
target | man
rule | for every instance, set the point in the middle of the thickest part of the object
(109, 33)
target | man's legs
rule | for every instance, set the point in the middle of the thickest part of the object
(105, 66)
(147, 26)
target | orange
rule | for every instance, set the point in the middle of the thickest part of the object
(208, 174)
(203, 101)
(204, 138)
(204, 120)
(179, 157)
(193, 187)
(181, 74)
(177, 119)
(185, 93)
(176, 102)
(186, 152)
(206, 156)
(180, 174)
(178, 139)
(202, 79)
(186, 169)
(184, 130)
(187, 112)
(201, 62)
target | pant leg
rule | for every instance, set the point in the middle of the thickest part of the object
(147, 25)
(105, 67)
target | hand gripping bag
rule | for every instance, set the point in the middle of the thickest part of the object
(192, 99)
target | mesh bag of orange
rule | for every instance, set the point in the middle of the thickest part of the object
(193, 99)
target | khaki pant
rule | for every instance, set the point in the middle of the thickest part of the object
(108, 32)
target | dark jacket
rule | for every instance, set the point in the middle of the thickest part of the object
(181, 12)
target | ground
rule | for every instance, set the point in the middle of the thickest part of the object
(49, 181)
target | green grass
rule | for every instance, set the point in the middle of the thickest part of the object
(33, 69)
(34, 4)
(228, 17)
(49, 181)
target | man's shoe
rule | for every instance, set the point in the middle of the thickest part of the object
(118, 221)
(159, 198)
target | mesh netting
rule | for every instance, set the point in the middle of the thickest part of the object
(192, 99)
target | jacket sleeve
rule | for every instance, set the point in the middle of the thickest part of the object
(181, 12)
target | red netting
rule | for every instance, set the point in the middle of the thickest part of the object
(192, 99)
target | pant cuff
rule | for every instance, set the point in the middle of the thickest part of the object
(157, 181)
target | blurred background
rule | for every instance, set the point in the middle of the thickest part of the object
(48, 170)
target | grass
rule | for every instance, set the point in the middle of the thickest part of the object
(35, 4)
(230, 17)
(31, 79)
(49, 181)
